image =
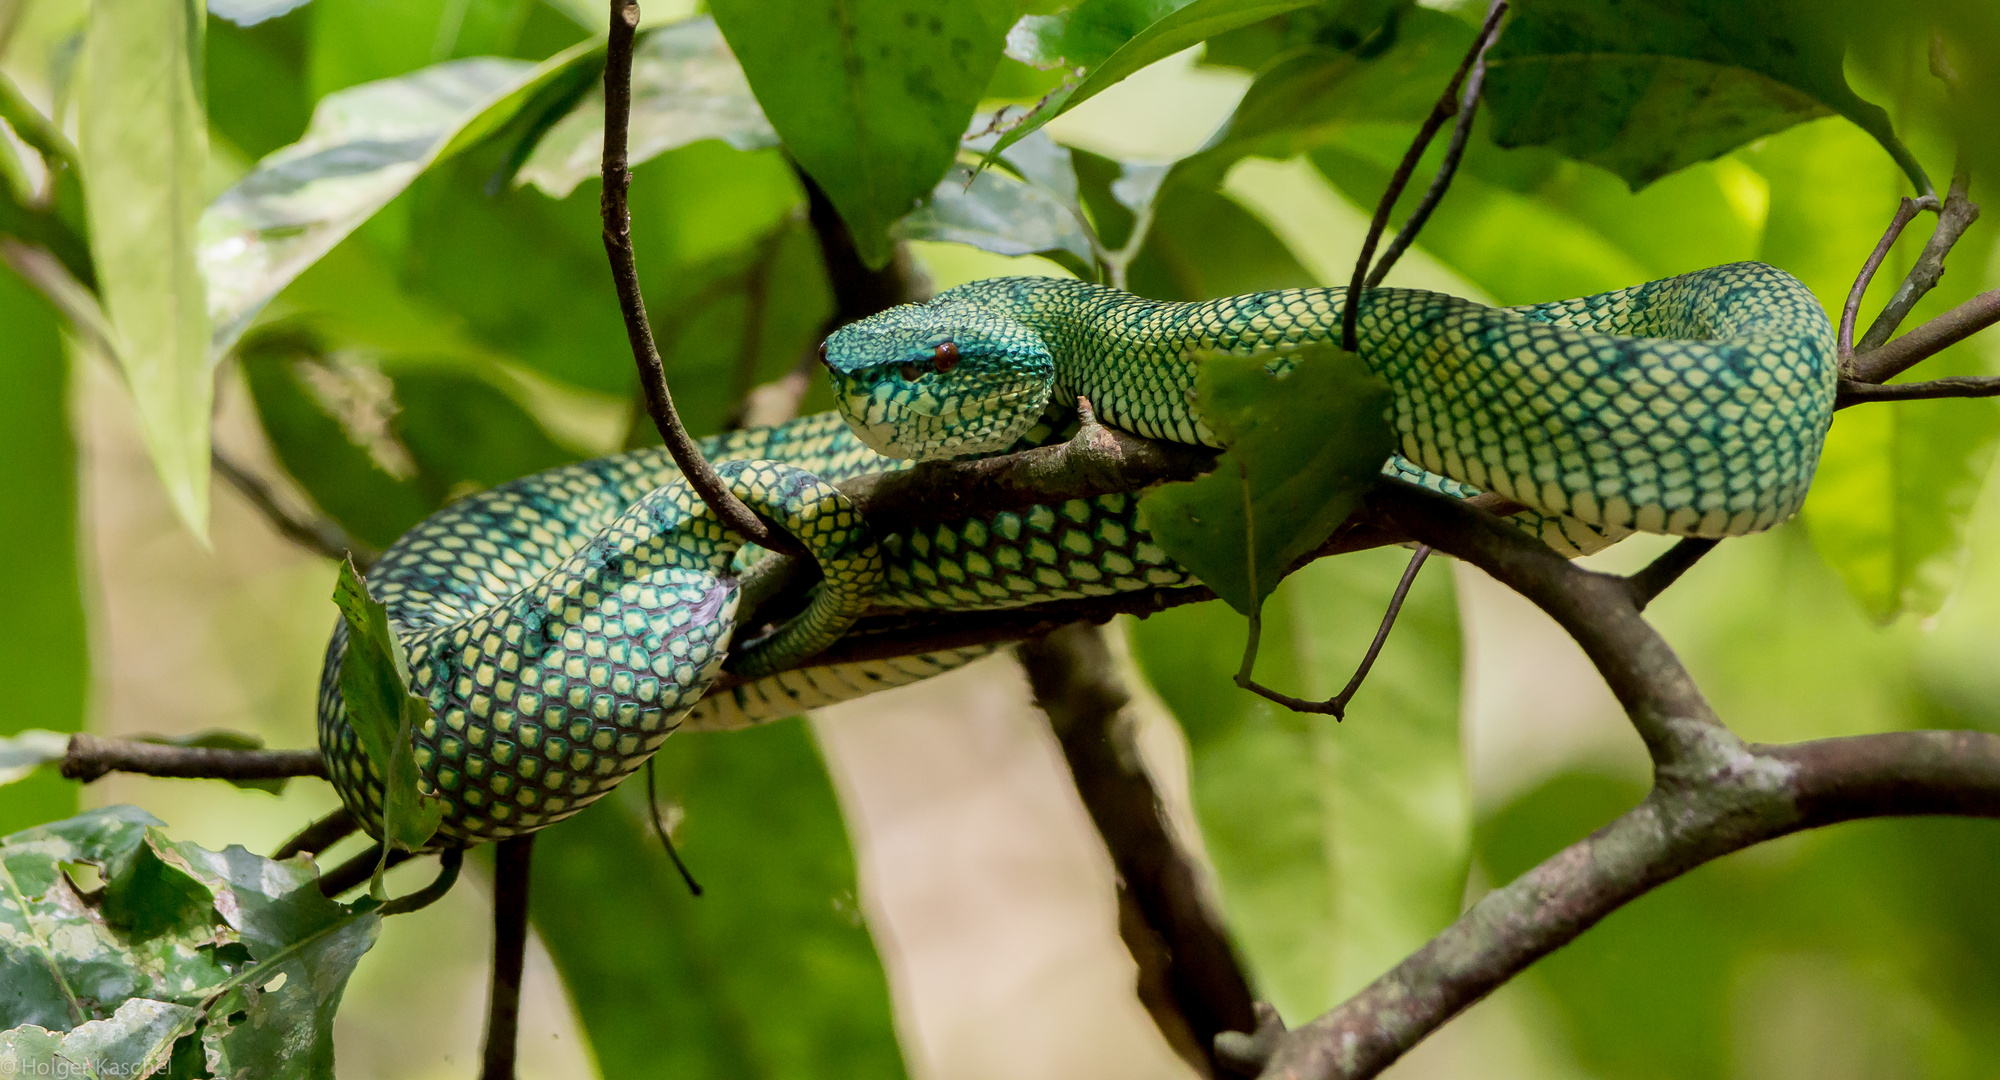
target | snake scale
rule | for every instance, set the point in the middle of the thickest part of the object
(563, 624)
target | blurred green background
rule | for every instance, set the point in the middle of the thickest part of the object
(466, 334)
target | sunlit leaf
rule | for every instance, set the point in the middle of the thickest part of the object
(44, 650)
(375, 687)
(1303, 447)
(365, 145)
(24, 752)
(251, 12)
(871, 99)
(143, 145)
(686, 86)
(1103, 41)
(1645, 89)
(1340, 847)
(777, 930)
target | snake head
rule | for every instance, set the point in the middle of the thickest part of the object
(947, 378)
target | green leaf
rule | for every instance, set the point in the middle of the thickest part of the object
(1103, 41)
(778, 931)
(1338, 24)
(1303, 447)
(44, 648)
(1306, 95)
(1006, 215)
(465, 434)
(869, 98)
(364, 147)
(1645, 89)
(251, 12)
(374, 685)
(143, 146)
(1339, 847)
(686, 86)
(1203, 244)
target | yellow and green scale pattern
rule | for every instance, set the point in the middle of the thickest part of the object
(563, 624)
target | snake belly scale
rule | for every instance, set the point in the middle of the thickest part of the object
(563, 624)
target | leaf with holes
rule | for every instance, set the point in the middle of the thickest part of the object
(1304, 444)
(1645, 89)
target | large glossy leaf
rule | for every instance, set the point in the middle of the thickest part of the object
(44, 654)
(143, 145)
(176, 937)
(1645, 89)
(1100, 42)
(869, 98)
(686, 86)
(1890, 506)
(1303, 448)
(689, 986)
(365, 145)
(1340, 847)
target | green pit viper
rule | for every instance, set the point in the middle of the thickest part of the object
(562, 625)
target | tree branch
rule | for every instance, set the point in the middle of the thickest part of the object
(1712, 795)
(1190, 979)
(1954, 217)
(1447, 104)
(1461, 133)
(318, 836)
(1928, 340)
(511, 864)
(90, 757)
(1662, 572)
(617, 216)
(1906, 212)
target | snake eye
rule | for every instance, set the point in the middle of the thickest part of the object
(822, 352)
(945, 356)
(912, 372)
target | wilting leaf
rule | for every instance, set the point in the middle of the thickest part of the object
(1303, 447)
(1645, 89)
(375, 686)
(686, 86)
(143, 145)
(871, 99)
(364, 146)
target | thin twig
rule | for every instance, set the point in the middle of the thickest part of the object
(617, 216)
(450, 860)
(356, 871)
(511, 859)
(1662, 572)
(1906, 212)
(660, 828)
(1964, 386)
(1336, 706)
(1956, 216)
(1447, 104)
(1461, 134)
(1192, 983)
(318, 534)
(320, 835)
(1933, 337)
(91, 756)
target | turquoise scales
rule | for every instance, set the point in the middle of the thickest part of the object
(1694, 405)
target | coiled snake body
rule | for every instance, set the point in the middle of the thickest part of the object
(563, 624)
